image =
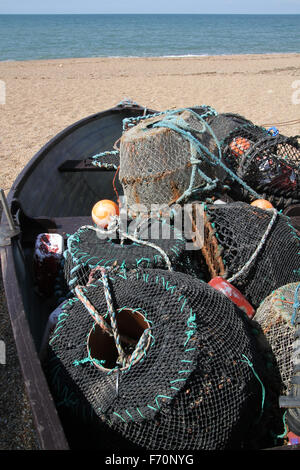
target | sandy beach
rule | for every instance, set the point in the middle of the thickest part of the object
(44, 97)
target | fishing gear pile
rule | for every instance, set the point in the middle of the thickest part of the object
(264, 159)
(169, 345)
(180, 371)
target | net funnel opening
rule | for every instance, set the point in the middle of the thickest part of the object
(101, 346)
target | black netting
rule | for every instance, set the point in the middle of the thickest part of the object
(160, 244)
(222, 125)
(268, 162)
(240, 229)
(198, 384)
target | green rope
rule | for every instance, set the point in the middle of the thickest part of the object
(247, 361)
(171, 122)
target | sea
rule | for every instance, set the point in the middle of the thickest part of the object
(33, 37)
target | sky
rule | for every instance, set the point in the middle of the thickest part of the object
(153, 6)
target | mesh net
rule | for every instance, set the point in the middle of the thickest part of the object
(85, 251)
(222, 125)
(293, 413)
(157, 159)
(275, 318)
(240, 230)
(279, 319)
(197, 384)
(268, 163)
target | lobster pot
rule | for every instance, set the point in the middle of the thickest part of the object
(268, 163)
(158, 245)
(191, 385)
(222, 125)
(155, 161)
(275, 317)
(267, 241)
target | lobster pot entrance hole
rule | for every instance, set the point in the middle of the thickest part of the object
(101, 346)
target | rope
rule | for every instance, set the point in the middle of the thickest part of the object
(171, 122)
(247, 361)
(123, 234)
(258, 249)
(112, 329)
(114, 184)
(112, 314)
(296, 305)
(91, 309)
(152, 245)
(133, 121)
(103, 164)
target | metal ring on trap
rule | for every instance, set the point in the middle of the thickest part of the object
(196, 385)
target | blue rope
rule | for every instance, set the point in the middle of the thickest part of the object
(296, 305)
(178, 125)
(247, 361)
(111, 165)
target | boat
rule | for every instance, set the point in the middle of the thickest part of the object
(54, 193)
(43, 196)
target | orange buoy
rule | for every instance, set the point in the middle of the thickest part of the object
(233, 294)
(103, 211)
(239, 146)
(262, 204)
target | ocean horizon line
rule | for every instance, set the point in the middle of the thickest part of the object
(152, 13)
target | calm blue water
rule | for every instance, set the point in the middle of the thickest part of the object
(25, 37)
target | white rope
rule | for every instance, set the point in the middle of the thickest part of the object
(114, 225)
(152, 245)
(258, 249)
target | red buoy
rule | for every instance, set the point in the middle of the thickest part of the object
(233, 294)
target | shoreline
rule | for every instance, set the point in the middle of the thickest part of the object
(231, 56)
